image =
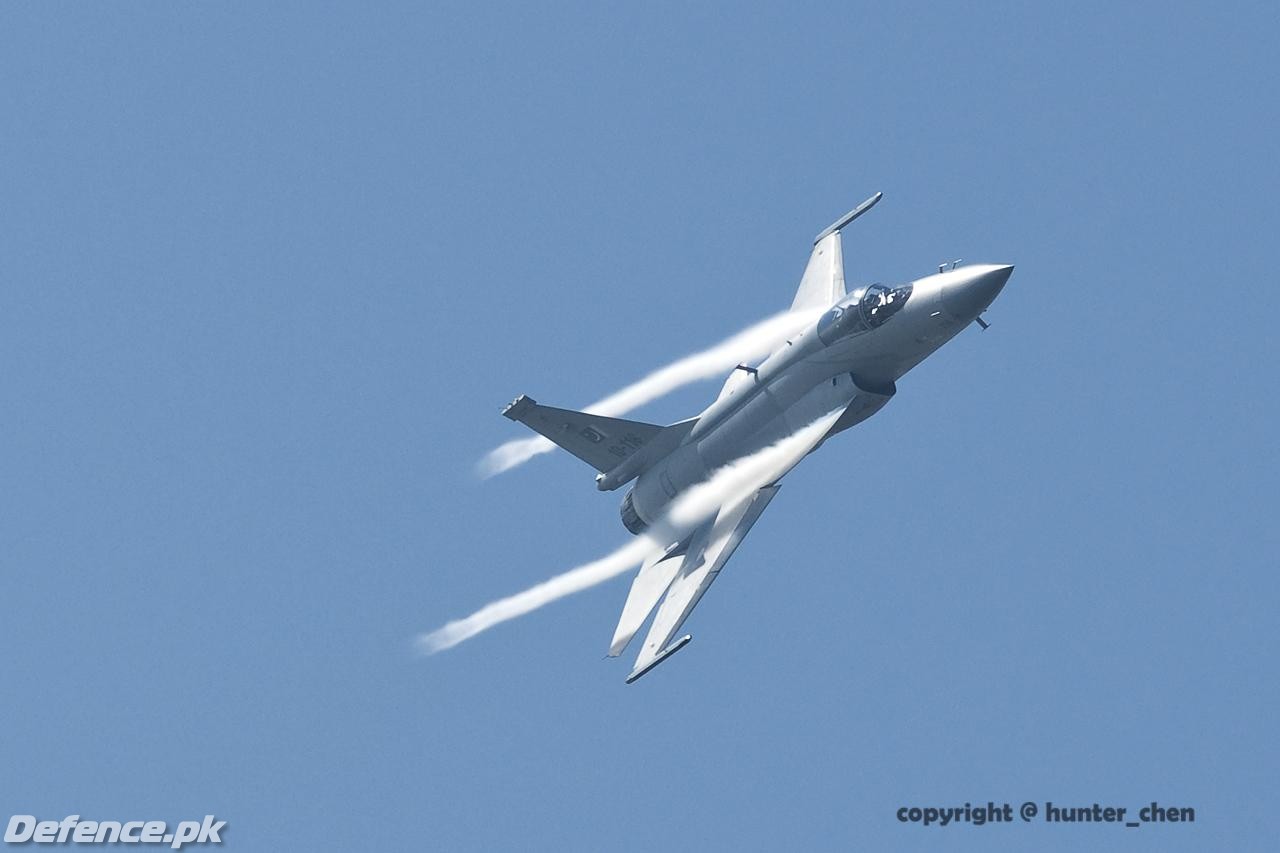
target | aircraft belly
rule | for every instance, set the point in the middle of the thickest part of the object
(759, 423)
(737, 438)
(656, 488)
(723, 443)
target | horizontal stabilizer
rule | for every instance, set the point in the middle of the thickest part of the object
(601, 442)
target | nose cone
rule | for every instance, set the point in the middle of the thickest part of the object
(968, 295)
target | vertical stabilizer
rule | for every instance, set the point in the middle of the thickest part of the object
(823, 280)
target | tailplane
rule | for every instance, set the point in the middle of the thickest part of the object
(603, 443)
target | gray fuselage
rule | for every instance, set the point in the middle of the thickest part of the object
(849, 359)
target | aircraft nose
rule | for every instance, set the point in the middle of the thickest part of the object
(968, 296)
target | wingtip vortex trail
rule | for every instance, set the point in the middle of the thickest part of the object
(749, 344)
(727, 485)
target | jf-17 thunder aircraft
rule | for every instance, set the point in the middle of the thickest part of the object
(842, 367)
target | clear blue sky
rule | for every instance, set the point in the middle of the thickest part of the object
(269, 273)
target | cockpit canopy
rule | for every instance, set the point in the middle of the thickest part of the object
(863, 310)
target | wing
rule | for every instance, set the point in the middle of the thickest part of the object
(652, 581)
(823, 280)
(701, 557)
(710, 548)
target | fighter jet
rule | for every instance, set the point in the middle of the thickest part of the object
(842, 368)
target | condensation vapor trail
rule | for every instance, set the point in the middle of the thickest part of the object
(751, 343)
(728, 485)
